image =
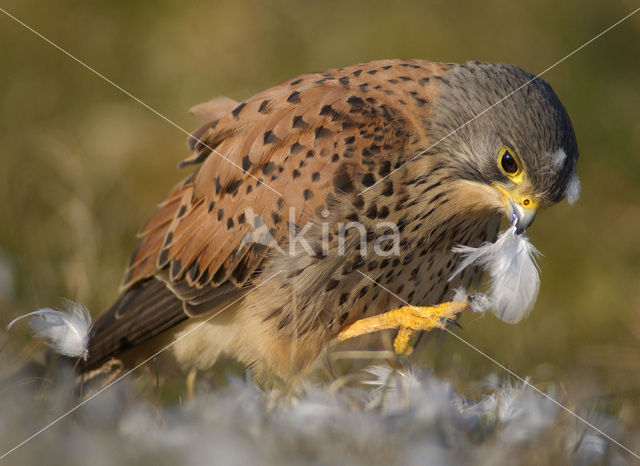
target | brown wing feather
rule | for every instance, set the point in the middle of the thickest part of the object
(297, 143)
(141, 312)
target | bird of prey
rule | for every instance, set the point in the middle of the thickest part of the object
(304, 198)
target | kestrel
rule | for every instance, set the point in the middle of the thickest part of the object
(301, 195)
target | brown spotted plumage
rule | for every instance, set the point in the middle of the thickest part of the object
(328, 150)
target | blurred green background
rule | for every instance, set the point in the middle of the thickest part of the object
(82, 165)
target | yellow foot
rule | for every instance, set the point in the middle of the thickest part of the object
(409, 320)
(191, 383)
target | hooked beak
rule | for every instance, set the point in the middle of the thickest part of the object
(520, 216)
(521, 208)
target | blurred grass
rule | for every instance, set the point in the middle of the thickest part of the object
(82, 165)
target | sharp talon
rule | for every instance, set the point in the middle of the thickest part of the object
(453, 322)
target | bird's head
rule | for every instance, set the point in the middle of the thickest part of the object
(507, 137)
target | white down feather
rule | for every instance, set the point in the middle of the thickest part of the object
(514, 278)
(66, 332)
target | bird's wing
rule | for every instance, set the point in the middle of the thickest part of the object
(292, 146)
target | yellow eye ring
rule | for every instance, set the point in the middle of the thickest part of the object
(508, 163)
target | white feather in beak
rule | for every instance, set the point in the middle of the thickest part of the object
(66, 332)
(514, 278)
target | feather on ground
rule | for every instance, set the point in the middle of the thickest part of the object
(66, 332)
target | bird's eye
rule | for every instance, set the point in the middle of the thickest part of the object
(508, 163)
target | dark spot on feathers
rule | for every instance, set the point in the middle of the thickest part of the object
(343, 298)
(297, 81)
(356, 103)
(385, 168)
(335, 157)
(356, 73)
(348, 124)
(375, 148)
(241, 219)
(344, 81)
(383, 212)
(246, 162)
(233, 185)
(264, 105)
(211, 205)
(275, 216)
(315, 176)
(230, 223)
(405, 78)
(327, 110)
(183, 209)
(386, 67)
(321, 132)
(331, 284)
(269, 137)
(372, 212)
(164, 258)
(218, 185)
(307, 194)
(169, 239)
(176, 266)
(310, 154)
(268, 167)
(294, 97)
(349, 140)
(387, 188)
(368, 179)
(372, 71)
(342, 181)
(358, 202)
(420, 101)
(296, 147)
(236, 111)
(298, 122)
(296, 173)
(220, 214)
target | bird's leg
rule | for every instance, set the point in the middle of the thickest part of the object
(409, 320)
(191, 383)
